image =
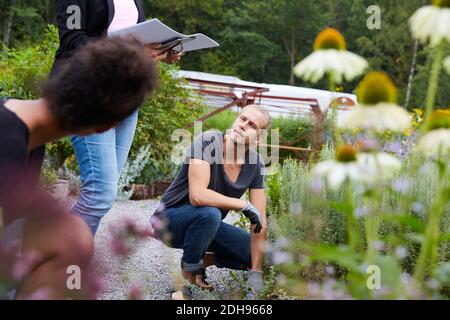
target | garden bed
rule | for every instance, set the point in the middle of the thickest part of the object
(149, 191)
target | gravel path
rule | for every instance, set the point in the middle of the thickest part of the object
(152, 266)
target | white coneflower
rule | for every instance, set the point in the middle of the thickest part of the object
(330, 57)
(344, 167)
(377, 109)
(379, 165)
(432, 23)
(447, 64)
(436, 142)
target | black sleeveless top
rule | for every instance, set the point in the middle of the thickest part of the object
(19, 168)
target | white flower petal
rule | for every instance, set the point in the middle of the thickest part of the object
(435, 143)
(356, 172)
(353, 65)
(342, 64)
(381, 117)
(322, 168)
(336, 177)
(389, 164)
(431, 23)
(368, 167)
(378, 166)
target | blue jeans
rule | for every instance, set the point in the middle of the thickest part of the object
(101, 158)
(198, 230)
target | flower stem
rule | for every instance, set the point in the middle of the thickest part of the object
(433, 82)
(352, 222)
(373, 220)
(331, 84)
(371, 235)
(336, 131)
(429, 250)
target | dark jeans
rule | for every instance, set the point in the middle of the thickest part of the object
(198, 230)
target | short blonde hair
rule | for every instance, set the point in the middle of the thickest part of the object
(263, 110)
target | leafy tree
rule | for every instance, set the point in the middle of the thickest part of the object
(24, 20)
(289, 27)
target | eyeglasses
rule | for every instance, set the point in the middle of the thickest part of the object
(176, 49)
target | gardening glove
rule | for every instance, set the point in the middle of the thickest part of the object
(255, 281)
(254, 215)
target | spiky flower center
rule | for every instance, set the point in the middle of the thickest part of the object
(330, 38)
(441, 3)
(439, 119)
(346, 153)
(376, 87)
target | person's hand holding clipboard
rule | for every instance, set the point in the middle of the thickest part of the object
(169, 51)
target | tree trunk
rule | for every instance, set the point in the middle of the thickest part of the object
(7, 28)
(412, 71)
(47, 11)
(411, 74)
(292, 56)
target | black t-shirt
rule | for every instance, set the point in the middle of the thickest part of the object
(209, 147)
(19, 169)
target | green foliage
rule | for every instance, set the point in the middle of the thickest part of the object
(25, 21)
(222, 121)
(294, 132)
(271, 33)
(24, 69)
(49, 176)
(131, 171)
(61, 152)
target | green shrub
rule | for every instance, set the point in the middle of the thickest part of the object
(294, 132)
(24, 69)
(221, 121)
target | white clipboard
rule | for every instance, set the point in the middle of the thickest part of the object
(154, 31)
